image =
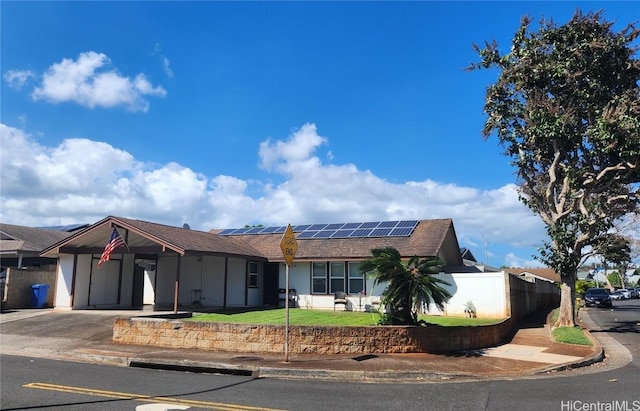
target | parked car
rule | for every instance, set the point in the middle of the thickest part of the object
(617, 295)
(634, 293)
(625, 292)
(597, 296)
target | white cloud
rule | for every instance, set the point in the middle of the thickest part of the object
(166, 64)
(18, 78)
(87, 81)
(512, 260)
(83, 181)
(293, 154)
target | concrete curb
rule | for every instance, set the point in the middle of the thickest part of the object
(595, 358)
(361, 376)
(296, 373)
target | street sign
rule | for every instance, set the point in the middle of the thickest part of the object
(289, 245)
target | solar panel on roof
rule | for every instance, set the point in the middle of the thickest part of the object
(307, 234)
(408, 223)
(388, 224)
(361, 232)
(380, 232)
(401, 232)
(300, 228)
(342, 233)
(402, 228)
(325, 234)
(372, 224)
(317, 227)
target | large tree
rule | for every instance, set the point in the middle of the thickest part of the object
(410, 287)
(566, 110)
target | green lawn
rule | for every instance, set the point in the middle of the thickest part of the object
(568, 335)
(325, 317)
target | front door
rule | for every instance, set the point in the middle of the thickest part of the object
(138, 287)
(271, 279)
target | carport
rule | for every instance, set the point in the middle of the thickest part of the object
(161, 265)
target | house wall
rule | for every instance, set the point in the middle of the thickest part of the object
(494, 294)
(486, 290)
(107, 286)
(84, 266)
(255, 295)
(204, 276)
(213, 287)
(300, 280)
(62, 298)
(236, 282)
(19, 283)
(201, 277)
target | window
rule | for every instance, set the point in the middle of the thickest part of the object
(319, 278)
(356, 279)
(253, 274)
(336, 275)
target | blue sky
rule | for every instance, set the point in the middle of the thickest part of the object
(221, 114)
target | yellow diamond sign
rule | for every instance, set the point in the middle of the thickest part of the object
(289, 245)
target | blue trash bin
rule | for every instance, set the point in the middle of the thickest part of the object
(39, 295)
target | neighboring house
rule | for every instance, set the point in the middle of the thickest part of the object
(21, 246)
(467, 256)
(21, 264)
(633, 277)
(599, 276)
(536, 274)
(583, 275)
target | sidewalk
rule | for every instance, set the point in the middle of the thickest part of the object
(86, 336)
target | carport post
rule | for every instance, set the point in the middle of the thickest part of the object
(177, 286)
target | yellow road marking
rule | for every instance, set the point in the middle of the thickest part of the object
(146, 398)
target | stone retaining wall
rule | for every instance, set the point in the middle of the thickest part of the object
(306, 339)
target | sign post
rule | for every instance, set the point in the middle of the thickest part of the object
(289, 246)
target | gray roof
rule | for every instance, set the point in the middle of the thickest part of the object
(146, 237)
(431, 238)
(16, 239)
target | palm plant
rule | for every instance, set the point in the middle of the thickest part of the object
(410, 287)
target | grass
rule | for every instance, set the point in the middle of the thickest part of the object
(568, 335)
(326, 317)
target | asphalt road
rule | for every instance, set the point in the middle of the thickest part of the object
(34, 384)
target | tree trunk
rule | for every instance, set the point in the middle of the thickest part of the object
(567, 302)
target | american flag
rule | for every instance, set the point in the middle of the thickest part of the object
(115, 242)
